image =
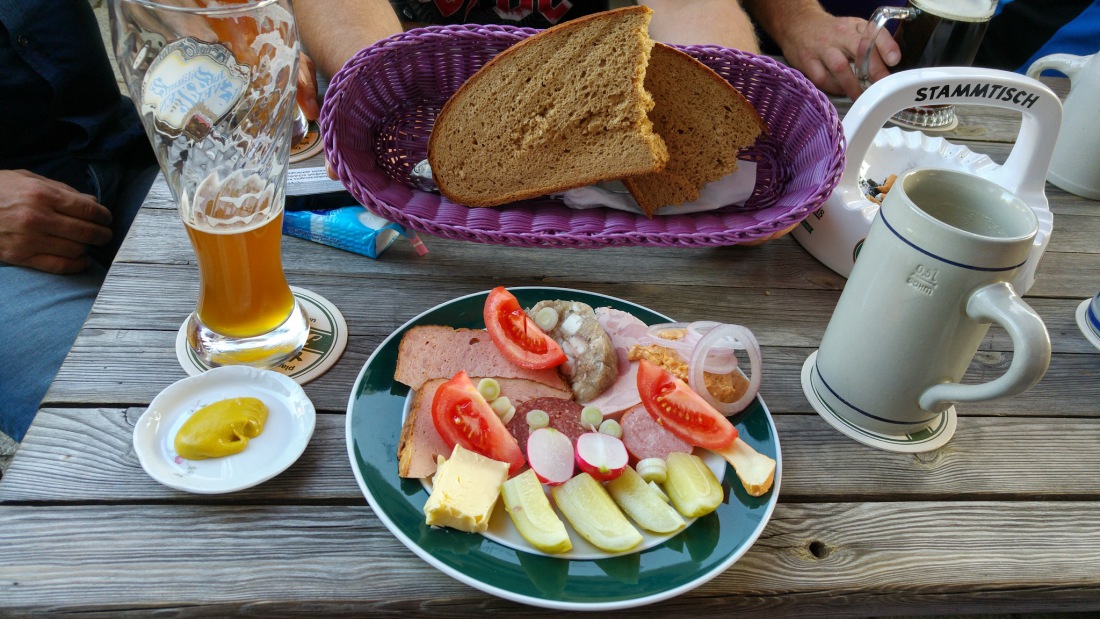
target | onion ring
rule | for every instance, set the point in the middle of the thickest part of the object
(712, 339)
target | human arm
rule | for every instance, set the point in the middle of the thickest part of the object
(821, 45)
(692, 22)
(47, 225)
(332, 31)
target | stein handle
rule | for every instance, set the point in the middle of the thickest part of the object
(878, 19)
(1066, 63)
(1030, 349)
(1023, 173)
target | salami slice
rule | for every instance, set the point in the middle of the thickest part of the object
(565, 416)
(645, 438)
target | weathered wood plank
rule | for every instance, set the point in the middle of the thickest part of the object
(86, 455)
(819, 558)
(139, 364)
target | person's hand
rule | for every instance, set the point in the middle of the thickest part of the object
(824, 48)
(47, 225)
(307, 87)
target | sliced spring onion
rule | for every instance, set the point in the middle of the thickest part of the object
(546, 318)
(591, 417)
(501, 406)
(537, 418)
(489, 389)
(653, 469)
(612, 427)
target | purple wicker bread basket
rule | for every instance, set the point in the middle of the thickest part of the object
(380, 107)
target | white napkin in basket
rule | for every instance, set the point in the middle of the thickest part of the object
(732, 189)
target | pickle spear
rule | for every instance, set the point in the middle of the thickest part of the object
(691, 485)
(526, 502)
(589, 508)
(643, 504)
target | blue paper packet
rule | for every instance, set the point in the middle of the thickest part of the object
(351, 228)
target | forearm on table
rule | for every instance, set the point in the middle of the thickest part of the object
(332, 31)
(777, 17)
(690, 22)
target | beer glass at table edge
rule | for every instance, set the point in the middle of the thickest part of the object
(214, 85)
(931, 33)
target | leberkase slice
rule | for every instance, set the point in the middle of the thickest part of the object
(564, 108)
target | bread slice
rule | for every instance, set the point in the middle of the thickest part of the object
(564, 108)
(420, 442)
(703, 120)
(436, 351)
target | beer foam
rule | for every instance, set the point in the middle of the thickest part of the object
(959, 10)
(238, 203)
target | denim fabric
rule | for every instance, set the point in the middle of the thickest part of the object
(42, 313)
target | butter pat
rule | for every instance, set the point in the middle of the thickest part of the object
(465, 491)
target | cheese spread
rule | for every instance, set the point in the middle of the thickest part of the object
(466, 488)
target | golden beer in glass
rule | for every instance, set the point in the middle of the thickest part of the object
(214, 83)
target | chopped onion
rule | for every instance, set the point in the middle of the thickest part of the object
(727, 337)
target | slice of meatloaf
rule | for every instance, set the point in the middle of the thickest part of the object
(434, 351)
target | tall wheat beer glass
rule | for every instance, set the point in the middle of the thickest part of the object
(214, 82)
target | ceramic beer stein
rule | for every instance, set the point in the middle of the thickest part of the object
(1075, 165)
(935, 271)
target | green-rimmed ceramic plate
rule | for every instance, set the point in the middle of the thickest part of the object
(700, 552)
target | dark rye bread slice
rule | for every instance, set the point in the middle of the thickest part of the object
(703, 120)
(436, 351)
(420, 443)
(564, 108)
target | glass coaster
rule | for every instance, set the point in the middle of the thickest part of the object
(328, 337)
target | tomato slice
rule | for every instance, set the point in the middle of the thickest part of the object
(674, 405)
(462, 416)
(517, 337)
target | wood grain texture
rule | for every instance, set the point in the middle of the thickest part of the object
(1008, 458)
(833, 558)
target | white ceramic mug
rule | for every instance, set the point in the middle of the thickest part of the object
(1075, 165)
(934, 271)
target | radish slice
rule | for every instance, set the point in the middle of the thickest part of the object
(550, 454)
(601, 455)
(727, 336)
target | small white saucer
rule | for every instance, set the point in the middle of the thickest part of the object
(328, 337)
(1083, 323)
(927, 440)
(290, 422)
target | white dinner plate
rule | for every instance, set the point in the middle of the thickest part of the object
(290, 422)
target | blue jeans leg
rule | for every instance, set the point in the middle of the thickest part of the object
(42, 313)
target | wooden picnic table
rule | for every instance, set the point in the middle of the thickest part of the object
(1003, 519)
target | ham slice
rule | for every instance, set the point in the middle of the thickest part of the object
(420, 443)
(435, 351)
